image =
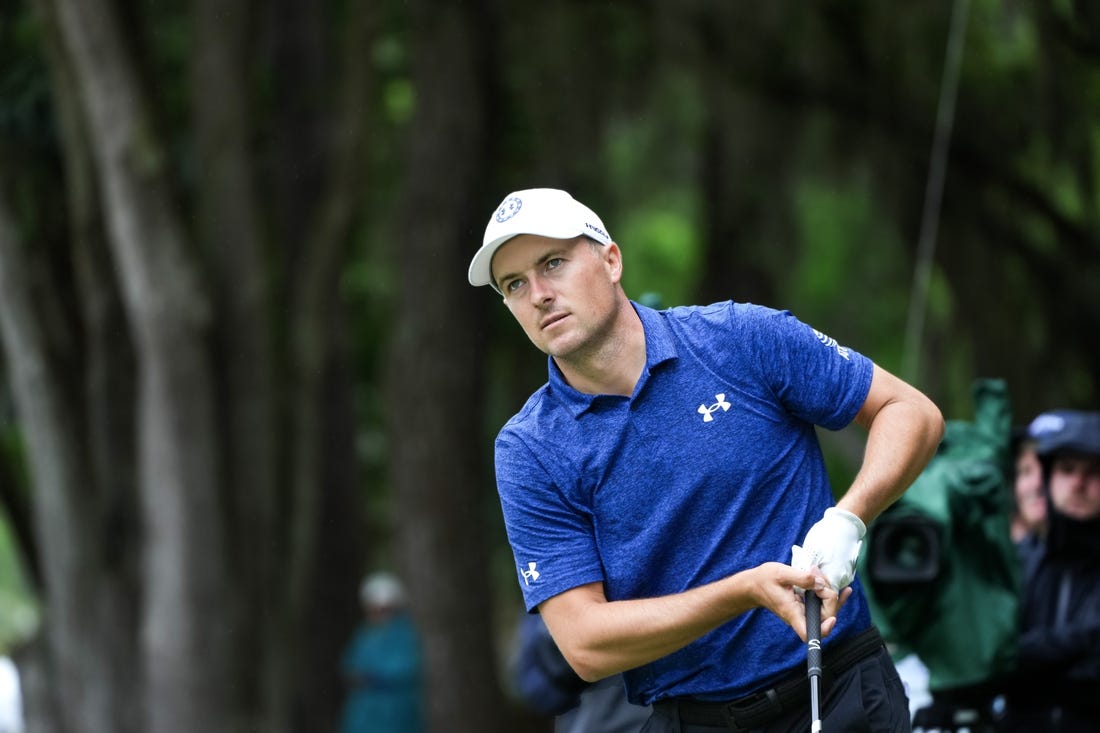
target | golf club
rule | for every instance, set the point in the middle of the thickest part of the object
(813, 657)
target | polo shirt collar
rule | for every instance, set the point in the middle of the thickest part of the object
(659, 348)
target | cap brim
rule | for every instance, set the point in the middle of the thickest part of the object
(481, 266)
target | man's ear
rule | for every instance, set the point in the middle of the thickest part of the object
(614, 259)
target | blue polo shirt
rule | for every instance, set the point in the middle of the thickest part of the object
(710, 467)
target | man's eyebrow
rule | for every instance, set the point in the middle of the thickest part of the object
(541, 260)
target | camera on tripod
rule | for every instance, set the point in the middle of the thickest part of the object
(906, 550)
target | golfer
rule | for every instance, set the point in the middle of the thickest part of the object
(654, 487)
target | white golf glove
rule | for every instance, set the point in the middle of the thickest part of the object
(833, 546)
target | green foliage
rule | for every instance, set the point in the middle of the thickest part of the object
(661, 251)
(368, 285)
(398, 97)
(398, 100)
(28, 130)
(849, 269)
(18, 611)
(656, 222)
(1011, 45)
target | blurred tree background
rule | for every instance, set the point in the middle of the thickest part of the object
(241, 363)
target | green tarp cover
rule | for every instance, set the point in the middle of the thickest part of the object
(940, 569)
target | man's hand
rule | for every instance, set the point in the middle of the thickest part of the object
(833, 546)
(777, 587)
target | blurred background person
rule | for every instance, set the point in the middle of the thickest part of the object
(382, 663)
(1029, 516)
(547, 685)
(1054, 687)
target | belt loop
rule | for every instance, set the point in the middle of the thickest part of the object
(733, 714)
(731, 721)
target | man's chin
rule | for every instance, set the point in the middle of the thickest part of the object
(559, 349)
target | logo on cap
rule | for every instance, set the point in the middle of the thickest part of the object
(509, 208)
(596, 229)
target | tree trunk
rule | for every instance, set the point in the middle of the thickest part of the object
(86, 638)
(229, 225)
(57, 460)
(436, 365)
(185, 579)
(209, 448)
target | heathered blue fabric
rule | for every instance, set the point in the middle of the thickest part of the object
(646, 496)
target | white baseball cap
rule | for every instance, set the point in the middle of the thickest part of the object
(547, 212)
(382, 590)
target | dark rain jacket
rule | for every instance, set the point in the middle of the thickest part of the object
(1056, 686)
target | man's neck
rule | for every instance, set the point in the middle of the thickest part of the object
(616, 364)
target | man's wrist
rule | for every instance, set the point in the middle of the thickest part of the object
(857, 523)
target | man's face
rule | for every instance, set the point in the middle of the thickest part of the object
(563, 292)
(1075, 485)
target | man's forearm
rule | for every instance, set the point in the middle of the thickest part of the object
(600, 638)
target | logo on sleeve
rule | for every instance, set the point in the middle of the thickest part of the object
(831, 343)
(530, 575)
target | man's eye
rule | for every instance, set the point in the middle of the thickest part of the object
(512, 286)
(553, 263)
(1065, 465)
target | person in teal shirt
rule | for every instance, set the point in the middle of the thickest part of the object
(382, 664)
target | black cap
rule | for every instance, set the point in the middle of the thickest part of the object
(1061, 431)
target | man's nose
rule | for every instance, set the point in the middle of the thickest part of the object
(1078, 476)
(1087, 474)
(541, 290)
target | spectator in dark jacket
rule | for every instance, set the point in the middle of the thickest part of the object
(1056, 687)
(550, 687)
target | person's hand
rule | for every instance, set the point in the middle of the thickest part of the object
(833, 546)
(778, 588)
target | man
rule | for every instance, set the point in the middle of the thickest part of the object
(1058, 666)
(652, 490)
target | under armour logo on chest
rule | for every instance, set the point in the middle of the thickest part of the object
(708, 411)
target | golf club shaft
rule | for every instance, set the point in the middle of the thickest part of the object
(813, 657)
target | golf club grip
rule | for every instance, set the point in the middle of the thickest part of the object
(813, 634)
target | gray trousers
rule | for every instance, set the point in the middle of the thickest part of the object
(603, 709)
